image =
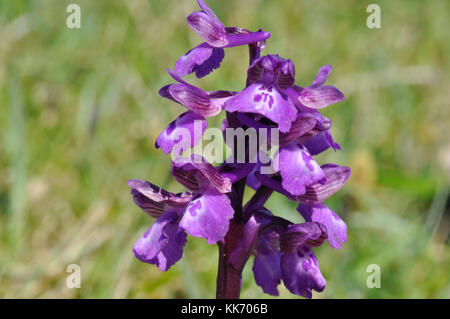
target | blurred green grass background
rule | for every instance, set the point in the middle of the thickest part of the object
(79, 114)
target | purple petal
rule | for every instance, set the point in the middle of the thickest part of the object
(321, 142)
(300, 272)
(320, 97)
(220, 97)
(209, 65)
(162, 244)
(154, 200)
(304, 123)
(266, 268)
(237, 173)
(250, 122)
(164, 92)
(320, 213)
(265, 101)
(298, 168)
(208, 216)
(220, 94)
(254, 72)
(264, 164)
(202, 60)
(209, 28)
(323, 123)
(251, 232)
(335, 178)
(193, 99)
(293, 93)
(272, 70)
(322, 76)
(152, 208)
(207, 9)
(273, 184)
(235, 40)
(298, 235)
(252, 180)
(287, 75)
(186, 178)
(224, 127)
(188, 125)
(205, 174)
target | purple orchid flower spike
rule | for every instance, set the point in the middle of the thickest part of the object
(207, 56)
(286, 121)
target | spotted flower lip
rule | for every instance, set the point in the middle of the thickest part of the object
(267, 78)
(298, 169)
(173, 133)
(268, 102)
(208, 215)
(301, 273)
(162, 244)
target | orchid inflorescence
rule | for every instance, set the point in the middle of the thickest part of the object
(213, 207)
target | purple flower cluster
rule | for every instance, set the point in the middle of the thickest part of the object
(212, 207)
